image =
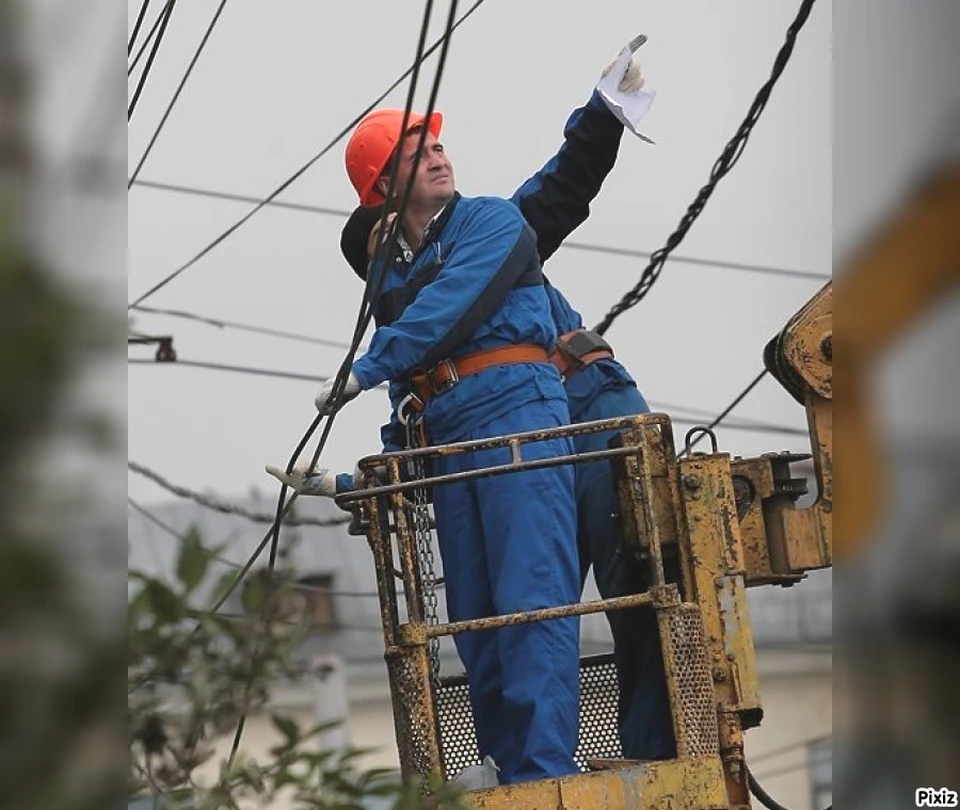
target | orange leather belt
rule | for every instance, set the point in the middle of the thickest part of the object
(443, 376)
(567, 359)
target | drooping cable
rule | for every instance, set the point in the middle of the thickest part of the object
(168, 12)
(176, 95)
(727, 160)
(297, 174)
(136, 26)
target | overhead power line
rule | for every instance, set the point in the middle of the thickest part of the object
(299, 172)
(217, 505)
(300, 586)
(592, 248)
(167, 14)
(749, 426)
(136, 26)
(221, 323)
(727, 160)
(149, 38)
(726, 411)
(176, 95)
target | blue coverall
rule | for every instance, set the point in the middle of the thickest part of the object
(554, 202)
(508, 542)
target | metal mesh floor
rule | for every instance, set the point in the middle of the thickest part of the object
(598, 717)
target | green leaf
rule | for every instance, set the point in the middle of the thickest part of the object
(287, 727)
(165, 605)
(224, 584)
(193, 560)
(252, 595)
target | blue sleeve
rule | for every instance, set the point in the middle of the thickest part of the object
(556, 200)
(495, 249)
(393, 435)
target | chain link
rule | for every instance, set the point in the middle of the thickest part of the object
(421, 527)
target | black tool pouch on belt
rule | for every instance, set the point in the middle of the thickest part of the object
(580, 344)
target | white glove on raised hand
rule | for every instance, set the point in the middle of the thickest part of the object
(323, 400)
(631, 79)
(305, 481)
(621, 88)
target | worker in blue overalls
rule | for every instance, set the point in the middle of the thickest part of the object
(555, 201)
(464, 328)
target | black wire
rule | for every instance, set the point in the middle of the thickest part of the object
(176, 95)
(261, 372)
(750, 268)
(296, 175)
(243, 327)
(723, 414)
(245, 198)
(366, 305)
(747, 426)
(727, 160)
(763, 797)
(153, 53)
(136, 26)
(149, 38)
(606, 249)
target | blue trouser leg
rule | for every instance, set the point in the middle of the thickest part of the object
(520, 555)
(468, 596)
(645, 724)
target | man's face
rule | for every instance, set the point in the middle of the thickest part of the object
(434, 183)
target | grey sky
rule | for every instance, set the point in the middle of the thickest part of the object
(277, 81)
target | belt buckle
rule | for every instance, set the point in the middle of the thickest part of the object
(447, 384)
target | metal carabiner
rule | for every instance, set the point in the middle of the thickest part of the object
(402, 407)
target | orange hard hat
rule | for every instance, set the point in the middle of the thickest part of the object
(371, 147)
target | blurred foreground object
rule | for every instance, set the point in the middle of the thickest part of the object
(910, 265)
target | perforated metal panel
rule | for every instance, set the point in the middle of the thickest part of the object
(686, 656)
(415, 738)
(598, 717)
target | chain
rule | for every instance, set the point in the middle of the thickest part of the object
(421, 528)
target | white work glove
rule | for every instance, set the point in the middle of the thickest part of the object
(350, 391)
(305, 481)
(621, 88)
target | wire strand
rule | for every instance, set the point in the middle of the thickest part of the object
(726, 411)
(136, 26)
(727, 160)
(217, 505)
(176, 95)
(583, 246)
(168, 12)
(297, 174)
(149, 37)
(244, 327)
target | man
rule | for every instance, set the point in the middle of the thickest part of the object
(554, 202)
(470, 298)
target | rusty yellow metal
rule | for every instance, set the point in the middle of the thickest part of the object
(681, 511)
(807, 533)
(710, 517)
(543, 614)
(801, 358)
(693, 702)
(691, 784)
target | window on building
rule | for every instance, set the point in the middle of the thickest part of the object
(316, 593)
(820, 754)
(308, 601)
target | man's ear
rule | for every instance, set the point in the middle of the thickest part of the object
(383, 184)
